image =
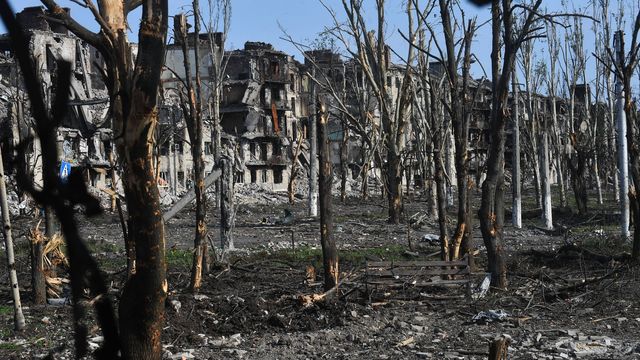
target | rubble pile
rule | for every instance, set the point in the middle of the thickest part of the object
(254, 194)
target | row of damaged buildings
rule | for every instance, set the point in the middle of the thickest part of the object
(264, 110)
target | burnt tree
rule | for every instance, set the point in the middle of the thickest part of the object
(460, 112)
(372, 55)
(62, 197)
(329, 250)
(133, 86)
(625, 68)
(491, 212)
(191, 103)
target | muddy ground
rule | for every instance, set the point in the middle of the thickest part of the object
(570, 294)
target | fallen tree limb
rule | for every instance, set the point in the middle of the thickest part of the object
(588, 254)
(308, 300)
(564, 292)
(566, 252)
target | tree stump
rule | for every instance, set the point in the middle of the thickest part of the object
(499, 348)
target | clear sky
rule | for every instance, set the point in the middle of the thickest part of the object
(259, 20)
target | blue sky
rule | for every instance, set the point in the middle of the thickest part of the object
(258, 20)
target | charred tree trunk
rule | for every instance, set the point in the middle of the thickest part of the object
(141, 311)
(491, 212)
(197, 151)
(460, 112)
(38, 282)
(633, 145)
(439, 126)
(226, 204)
(329, 250)
(142, 302)
(49, 222)
(499, 349)
(442, 207)
(394, 185)
(193, 117)
(365, 181)
(578, 165)
(18, 317)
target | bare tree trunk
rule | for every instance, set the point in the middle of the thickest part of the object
(460, 113)
(373, 59)
(562, 184)
(596, 174)
(442, 208)
(611, 135)
(313, 153)
(623, 151)
(18, 317)
(294, 169)
(344, 166)
(578, 166)
(432, 192)
(38, 283)
(553, 129)
(114, 187)
(499, 349)
(632, 125)
(547, 209)
(450, 169)
(329, 250)
(394, 184)
(516, 210)
(227, 211)
(142, 302)
(491, 212)
(193, 117)
(491, 208)
(141, 311)
(629, 159)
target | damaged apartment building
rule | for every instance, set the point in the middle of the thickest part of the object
(84, 136)
(261, 113)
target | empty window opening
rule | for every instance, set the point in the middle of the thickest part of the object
(277, 176)
(263, 152)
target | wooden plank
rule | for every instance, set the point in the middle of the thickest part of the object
(399, 283)
(404, 272)
(191, 195)
(416, 263)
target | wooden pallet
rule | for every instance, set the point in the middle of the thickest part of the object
(403, 274)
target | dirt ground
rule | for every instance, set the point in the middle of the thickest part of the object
(570, 294)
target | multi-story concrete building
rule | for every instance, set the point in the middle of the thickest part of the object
(84, 136)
